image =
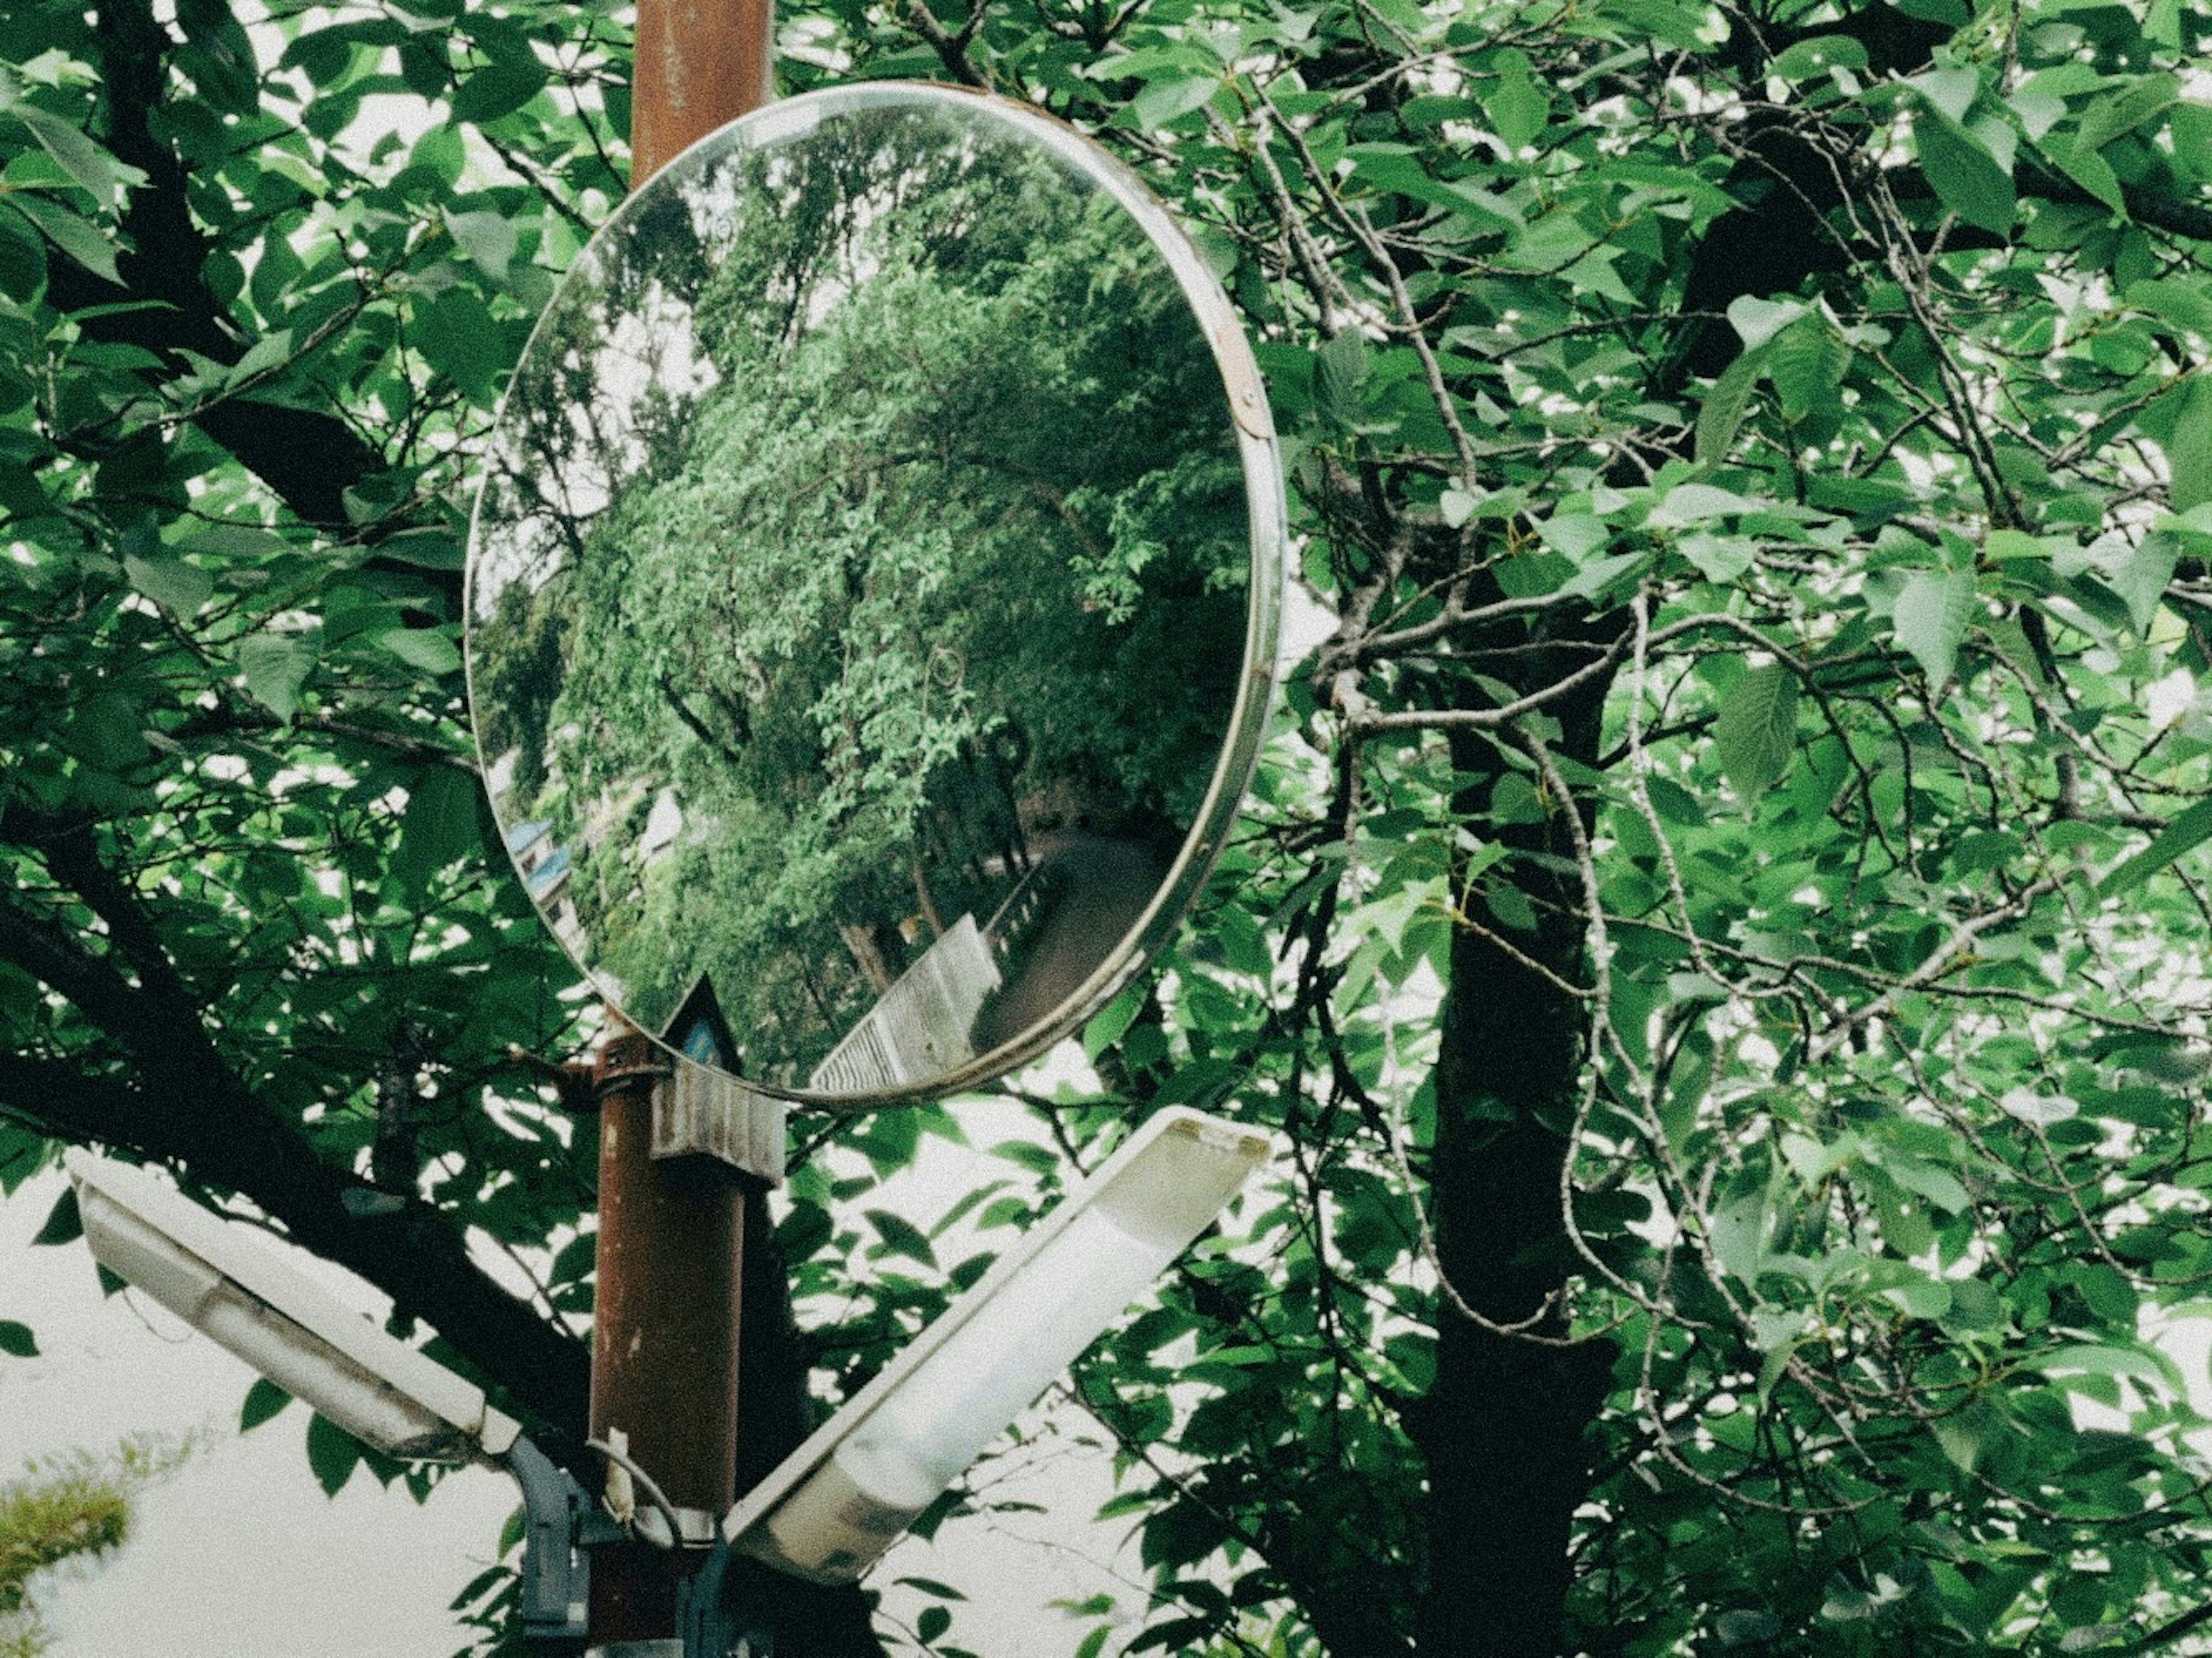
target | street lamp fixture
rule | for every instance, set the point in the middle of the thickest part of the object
(830, 1509)
(231, 1286)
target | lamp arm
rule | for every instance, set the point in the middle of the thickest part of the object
(556, 1573)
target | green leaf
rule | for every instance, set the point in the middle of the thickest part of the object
(1930, 621)
(72, 233)
(276, 666)
(1808, 363)
(262, 1400)
(333, 1454)
(2186, 305)
(931, 1585)
(1164, 102)
(2189, 450)
(1920, 1297)
(1106, 1027)
(1722, 414)
(1756, 730)
(1951, 91)
(1519, 110)
(1964, 174)
(1939, 1185)
(440, 826)
(2183, 834)
(22, 257)
(426, 648)
(176, 586)
(2122, 112)
(2087, 169)
(1821, 55)
(497, 89)
(2086, 1359)
(932, 1622)
(1339, 372)
(17, 1339)
(63, 1225)
(272, 351)
(2143, 577)
(81, 159)
(902, 1236)
(1961, 1438)
(489, 239)
(1760, 320)
(457, 335)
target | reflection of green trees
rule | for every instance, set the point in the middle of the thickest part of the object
(881, 580)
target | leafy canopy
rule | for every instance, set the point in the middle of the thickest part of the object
(1719, 933)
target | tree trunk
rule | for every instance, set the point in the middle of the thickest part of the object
(1503, 1425)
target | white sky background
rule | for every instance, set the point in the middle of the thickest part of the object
(240, 1551)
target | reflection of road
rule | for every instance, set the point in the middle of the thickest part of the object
(1104, 887)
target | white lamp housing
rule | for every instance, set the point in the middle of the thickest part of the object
(228, 1284)
(838, 1502)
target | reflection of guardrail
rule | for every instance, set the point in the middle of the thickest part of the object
(1027, 905)
(921, 1026)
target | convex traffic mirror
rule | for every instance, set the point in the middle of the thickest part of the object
(872, 590)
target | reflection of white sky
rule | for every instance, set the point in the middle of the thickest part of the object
(858, 217)
(658, 345)
(655, 345)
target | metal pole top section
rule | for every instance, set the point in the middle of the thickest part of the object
(701, 63)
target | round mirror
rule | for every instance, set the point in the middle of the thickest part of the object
(872, 591)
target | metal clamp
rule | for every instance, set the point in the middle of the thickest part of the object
(556, 1573)
(709, 1628)
(629, 1060)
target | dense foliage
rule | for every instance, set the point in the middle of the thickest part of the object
(1720, 931)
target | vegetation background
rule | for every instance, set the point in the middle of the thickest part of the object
(1721, 930)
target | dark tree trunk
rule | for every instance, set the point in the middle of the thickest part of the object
(1502, 1428)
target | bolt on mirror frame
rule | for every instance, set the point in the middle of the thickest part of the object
(1252, 430)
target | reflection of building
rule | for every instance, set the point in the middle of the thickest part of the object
(546, 871)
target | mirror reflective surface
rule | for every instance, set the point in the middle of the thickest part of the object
(872, 591)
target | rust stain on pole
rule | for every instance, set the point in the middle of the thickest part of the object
(700, 64)
(664, 1332)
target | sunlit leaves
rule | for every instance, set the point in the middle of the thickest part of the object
(1932, 616)
(1756, 730)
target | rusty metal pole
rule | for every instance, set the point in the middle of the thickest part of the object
(664, 1332)
(700, 62)
(671, 1241)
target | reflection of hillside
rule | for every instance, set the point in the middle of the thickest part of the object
(578, 883)
(546, 866)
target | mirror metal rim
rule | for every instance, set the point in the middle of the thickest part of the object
(791, 119)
